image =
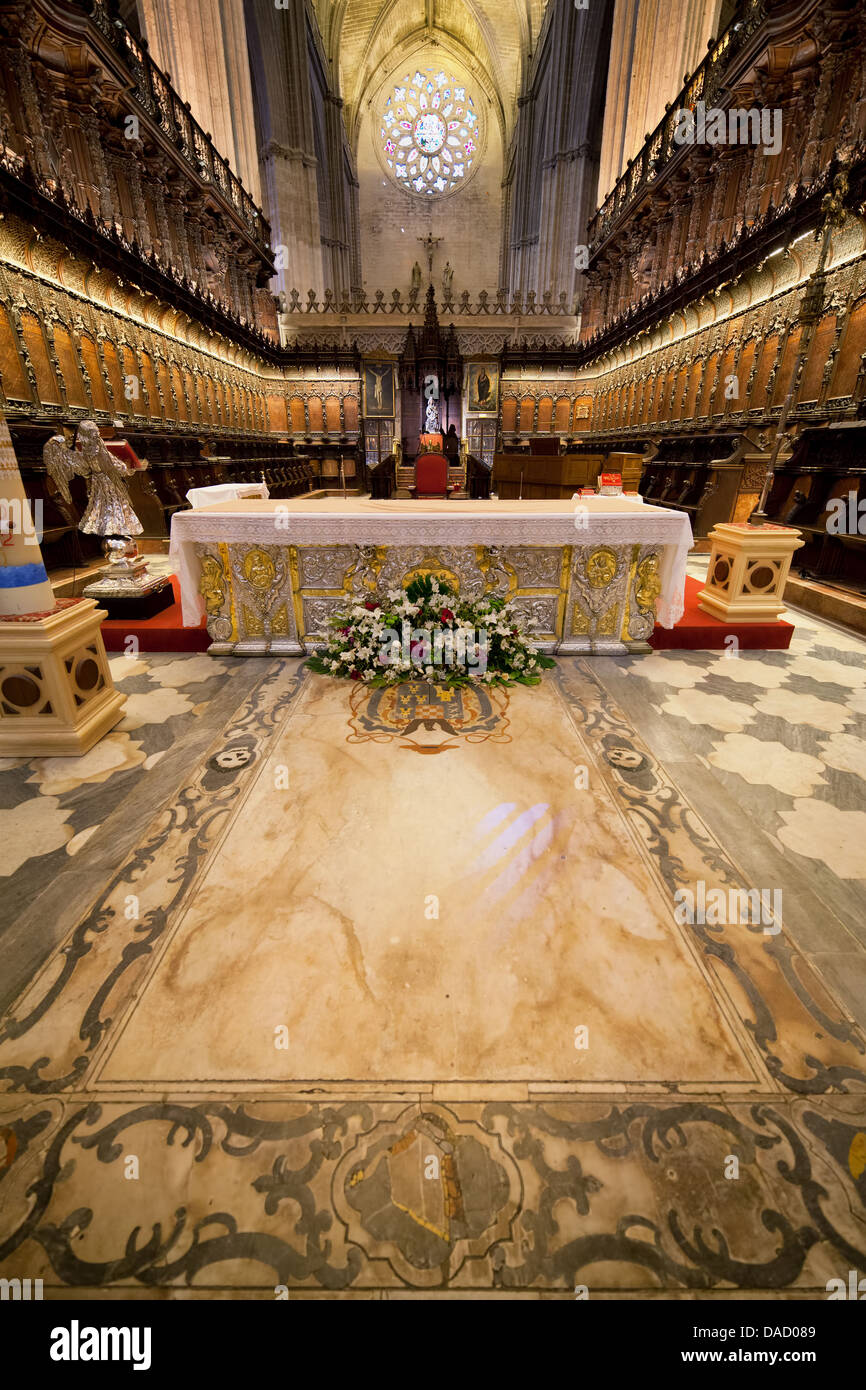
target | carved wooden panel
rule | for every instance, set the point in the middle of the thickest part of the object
(744, 371)
(332, 414)
(317, 423)
(93, 367)
(726, 371)
(177, 384)
(115, 376)
(561, 416)
(296, 407)
(168, 409)
(69, 368)
(277, 415)
(783, 375)
(848, 361)
(813, 372)
(769, 349)
(150, 383)
(15, 383)
(132, 384)
(34, 341)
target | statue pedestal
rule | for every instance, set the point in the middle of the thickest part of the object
(747, 571)
(57, 697)
(126, 587)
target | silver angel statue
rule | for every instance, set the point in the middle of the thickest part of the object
(109, 511)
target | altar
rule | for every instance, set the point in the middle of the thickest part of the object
(593, 574)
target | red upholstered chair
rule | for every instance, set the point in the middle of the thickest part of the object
(431, 476)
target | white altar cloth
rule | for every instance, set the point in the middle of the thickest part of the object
(364, 521)
(199, 497)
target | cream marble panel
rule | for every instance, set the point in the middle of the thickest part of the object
(442, 917)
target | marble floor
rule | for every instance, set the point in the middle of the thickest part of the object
(390, 995)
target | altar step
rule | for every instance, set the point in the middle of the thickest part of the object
(164, 632)
(698, 631)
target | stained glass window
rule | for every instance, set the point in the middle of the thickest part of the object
(429, 132)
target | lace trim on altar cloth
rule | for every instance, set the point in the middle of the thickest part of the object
(668, 529)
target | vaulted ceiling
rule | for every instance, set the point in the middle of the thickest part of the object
(366, 39)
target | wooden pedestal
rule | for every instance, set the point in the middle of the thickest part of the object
(747, 572)
(57, 697)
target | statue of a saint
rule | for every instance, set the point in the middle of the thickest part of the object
(109, 511)
(416, 276)
(447, 277)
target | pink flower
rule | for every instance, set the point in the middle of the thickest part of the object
(446, 615)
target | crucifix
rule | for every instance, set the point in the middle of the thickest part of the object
(430, 242)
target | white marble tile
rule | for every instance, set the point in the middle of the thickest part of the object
(186, 670)
(748, 669)
(796, 708)
(845, 752)
(717, 711)
(827, 670)
(763, 763)
(154, 707)
(34, 828)
(818, 830)
(664, 669)
(123, 667)
(114, 753)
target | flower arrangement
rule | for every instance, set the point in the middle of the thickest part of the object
(428, 630)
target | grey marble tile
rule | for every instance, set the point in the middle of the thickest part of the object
(846, 973)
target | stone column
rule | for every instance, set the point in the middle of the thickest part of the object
(653, 45)
(203, 44)
(277, 41)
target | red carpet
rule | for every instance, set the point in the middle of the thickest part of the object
(695, 631)
(164, 632)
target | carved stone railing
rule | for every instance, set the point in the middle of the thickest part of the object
(359, 302)
(154, 92)
(705, 84)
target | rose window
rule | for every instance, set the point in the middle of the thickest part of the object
(430, 132)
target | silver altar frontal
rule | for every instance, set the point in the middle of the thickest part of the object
(590, 575)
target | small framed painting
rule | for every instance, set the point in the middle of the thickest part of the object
(378, 389)
(483, 386)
